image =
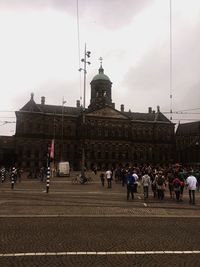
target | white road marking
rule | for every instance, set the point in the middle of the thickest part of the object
(87, 253)
(96, 216)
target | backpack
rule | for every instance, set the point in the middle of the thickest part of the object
(160, 181)
(130, 180)
(177, 184)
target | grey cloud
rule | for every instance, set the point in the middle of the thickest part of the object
(150, 78)
(53, 91)
(116, 13)
(111, 14)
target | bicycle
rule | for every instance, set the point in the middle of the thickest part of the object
(81, 179)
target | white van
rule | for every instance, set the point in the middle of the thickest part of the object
(63, 168)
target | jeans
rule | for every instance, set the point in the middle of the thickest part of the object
(109, 183)
(192, 196)
(146, 191)
(177, 195)
(130, 190)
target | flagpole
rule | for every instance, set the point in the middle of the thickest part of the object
(63, 102)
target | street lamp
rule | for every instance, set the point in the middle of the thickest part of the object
(84, 69)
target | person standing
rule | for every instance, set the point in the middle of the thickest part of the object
(146, 181)
(122, 176)
(109, 178)
(160, 185)
(130, 184)
(102, 178)
(191, 182)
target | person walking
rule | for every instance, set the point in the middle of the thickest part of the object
(198, 180)
(136, 181)
(182, 177)
(130, 184)
(146, 181)
(109, 178)
(170, 178)
(102, 178)
(177, 188)
(191, 183)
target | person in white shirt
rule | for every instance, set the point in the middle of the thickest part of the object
(191, 182)
(109, 178)
(146, 181)
(136, 181)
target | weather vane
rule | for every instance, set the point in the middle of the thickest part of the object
(101, 59)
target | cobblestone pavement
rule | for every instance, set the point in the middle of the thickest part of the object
(93, 218)
(20, 235)
(29, 197)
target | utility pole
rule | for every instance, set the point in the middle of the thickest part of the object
(84, 69)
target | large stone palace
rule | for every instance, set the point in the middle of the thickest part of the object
(109, 136)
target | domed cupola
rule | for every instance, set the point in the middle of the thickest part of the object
(100, 90)
(101, 75)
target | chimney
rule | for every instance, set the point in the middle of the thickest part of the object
(158, 109)
(78, 103)
(122, 108)
(43, 100)
(150, 109)
(32, 96)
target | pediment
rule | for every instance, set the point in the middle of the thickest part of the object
(31, 106)
(107, 112)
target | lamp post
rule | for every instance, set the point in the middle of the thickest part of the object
(62, 133)
(84, 69)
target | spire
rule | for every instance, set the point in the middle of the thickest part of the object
(101, 70)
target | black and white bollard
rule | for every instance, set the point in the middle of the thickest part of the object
(3, 174)
(48, 180)
(13, 178)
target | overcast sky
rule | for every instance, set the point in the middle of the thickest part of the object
(39, 53)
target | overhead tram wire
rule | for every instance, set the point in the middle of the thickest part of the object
(7, 110)
(184, 110)
(186, 119)
(78, 41)
(181, 112)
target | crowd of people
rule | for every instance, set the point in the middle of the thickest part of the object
(174, 178)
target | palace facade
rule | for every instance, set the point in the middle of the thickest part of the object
(109, 136)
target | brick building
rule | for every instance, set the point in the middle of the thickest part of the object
(188, 143)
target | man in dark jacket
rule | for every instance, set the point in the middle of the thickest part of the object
(130, 180)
